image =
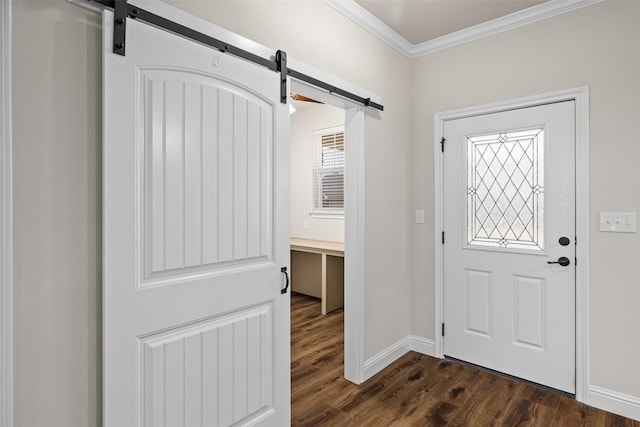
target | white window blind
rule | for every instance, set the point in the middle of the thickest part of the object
(328, 171)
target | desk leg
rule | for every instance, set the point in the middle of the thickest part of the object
(324, 283)
(335, 283)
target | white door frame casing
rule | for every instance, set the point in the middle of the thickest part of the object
(354, 247)
(354, 220)
(6, 221)
(581, 98)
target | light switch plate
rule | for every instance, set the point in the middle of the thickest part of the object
(419, 216)
(618, 222)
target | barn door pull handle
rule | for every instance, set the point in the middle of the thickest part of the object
(563, 261)
(286, 275)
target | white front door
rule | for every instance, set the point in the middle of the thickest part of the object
(509, 214)
(196, 230)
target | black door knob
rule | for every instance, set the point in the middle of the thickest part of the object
(563, 261)
(564, 241)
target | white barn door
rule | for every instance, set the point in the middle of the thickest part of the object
(196, 230)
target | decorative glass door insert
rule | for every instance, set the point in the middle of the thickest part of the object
(505, 190)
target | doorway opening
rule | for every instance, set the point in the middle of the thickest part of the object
(317, 224)
(354, 219)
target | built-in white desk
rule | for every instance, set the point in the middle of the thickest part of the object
(317, 269)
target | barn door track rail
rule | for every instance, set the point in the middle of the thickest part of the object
(123, 10)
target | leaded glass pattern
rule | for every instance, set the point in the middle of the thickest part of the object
(505, 191)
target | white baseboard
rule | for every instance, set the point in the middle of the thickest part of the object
(392, 353)
(386, 357)
(612, 401)
(423, 345)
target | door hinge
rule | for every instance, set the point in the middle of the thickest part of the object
(442, 143)
(443, 329)
(443, 237)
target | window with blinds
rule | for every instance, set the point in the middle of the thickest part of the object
(328, 171)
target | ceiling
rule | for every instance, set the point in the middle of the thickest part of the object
(419, 21)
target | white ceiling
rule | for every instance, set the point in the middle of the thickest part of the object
(419, 21)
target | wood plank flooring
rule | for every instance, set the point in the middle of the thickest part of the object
(416, 390)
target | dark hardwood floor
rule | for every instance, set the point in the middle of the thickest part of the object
(416, 390)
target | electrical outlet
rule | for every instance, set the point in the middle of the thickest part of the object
(419, 216)
(305, 224)
(618, 222)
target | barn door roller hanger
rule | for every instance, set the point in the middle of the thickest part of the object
(123, 10)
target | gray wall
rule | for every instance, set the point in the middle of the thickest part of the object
(57, 166)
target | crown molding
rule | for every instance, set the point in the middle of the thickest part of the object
(360, 16)
(366, 20)
(498, 25)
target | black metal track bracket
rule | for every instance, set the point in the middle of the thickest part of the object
(281, 61)
(120, 27)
